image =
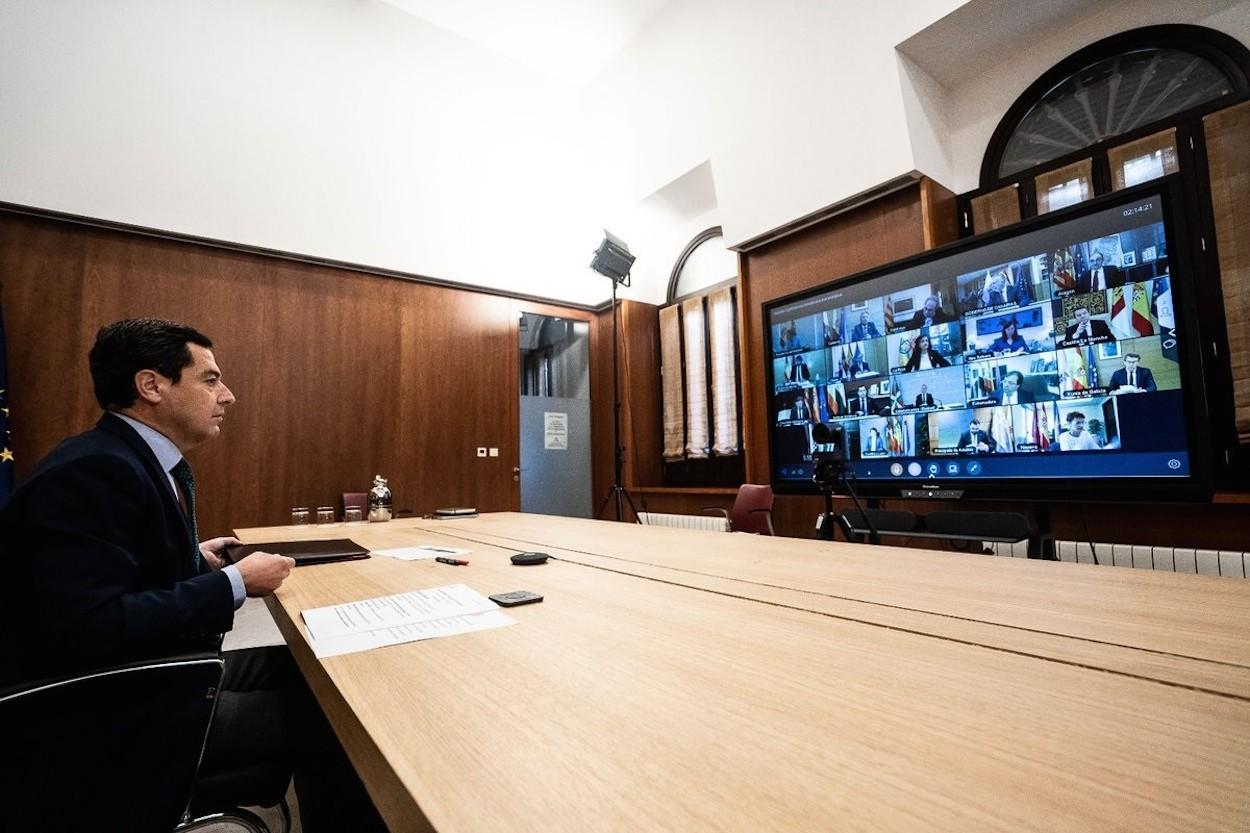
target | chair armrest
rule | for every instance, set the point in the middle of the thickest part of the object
(714, 510)
(32, 686)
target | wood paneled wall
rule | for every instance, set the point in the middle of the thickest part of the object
(641, 429)
(339, 375)
(887, 229)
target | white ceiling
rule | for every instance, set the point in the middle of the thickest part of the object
(568, 40)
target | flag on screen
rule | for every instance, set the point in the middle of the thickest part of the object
(1161, 305)
(1043, 414)
(1143, 319)
(857, 363)
(889, 313)
(1002, 430)
(1121, 315)
(6, 453)
(1063, 274)
(1078, 372)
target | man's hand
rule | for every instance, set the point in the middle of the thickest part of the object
(264, 572)
(214, 550)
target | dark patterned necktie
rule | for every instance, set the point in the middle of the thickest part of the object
(186, 481)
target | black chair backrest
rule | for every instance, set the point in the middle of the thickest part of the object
(115, 749)
(1008, 525)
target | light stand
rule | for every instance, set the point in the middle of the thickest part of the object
(613, 260)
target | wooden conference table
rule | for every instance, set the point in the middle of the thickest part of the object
(695, 681)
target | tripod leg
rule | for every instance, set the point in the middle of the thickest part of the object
(604, 505)
(630, 501)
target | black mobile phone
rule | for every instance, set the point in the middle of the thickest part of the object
(516, 597)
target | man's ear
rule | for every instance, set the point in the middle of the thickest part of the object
(149, 385)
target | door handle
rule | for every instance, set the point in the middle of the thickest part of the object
(516, 473)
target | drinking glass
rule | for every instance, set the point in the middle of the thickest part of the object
(353, 515)
(299, 516)
(325, 514)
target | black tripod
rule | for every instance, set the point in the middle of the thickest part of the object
(617, 491)
(831, 469)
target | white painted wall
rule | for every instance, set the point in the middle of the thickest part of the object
(350, 130)
(968, 111)
(342, 129)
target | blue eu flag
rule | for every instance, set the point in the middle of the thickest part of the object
(6, 449)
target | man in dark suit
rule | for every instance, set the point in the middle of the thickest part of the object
(1098, 276)
(931, 313)
(977, 440)
(1086, 329)
(798, 371)
(1133, 378)
(924, 399)
(864, 329)
(1012, 391)
(102, 552)
(862, 404)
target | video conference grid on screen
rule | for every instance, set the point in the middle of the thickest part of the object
(1028, 357)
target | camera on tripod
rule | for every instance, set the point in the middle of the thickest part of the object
(829, 456)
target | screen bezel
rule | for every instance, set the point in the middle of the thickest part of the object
(1197, 486)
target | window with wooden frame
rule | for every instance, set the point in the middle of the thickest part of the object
(702, 408)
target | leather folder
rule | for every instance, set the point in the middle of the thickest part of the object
(305, 552)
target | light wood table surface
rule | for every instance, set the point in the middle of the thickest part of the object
(662, 686)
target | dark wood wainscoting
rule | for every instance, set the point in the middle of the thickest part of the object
(339, 375)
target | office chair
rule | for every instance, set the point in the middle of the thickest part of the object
(112, 749)
(752, 510)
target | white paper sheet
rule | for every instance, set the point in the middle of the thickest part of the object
(363, 641)
(420, 552)
(394, 611)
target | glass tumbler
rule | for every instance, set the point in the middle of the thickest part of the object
(299, 516)
(353, 515)
(325, 514)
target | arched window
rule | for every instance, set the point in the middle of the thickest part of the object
(1120, 85)
(704, 262)
(701, 402)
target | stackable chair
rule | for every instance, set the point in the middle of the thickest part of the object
(752, 510)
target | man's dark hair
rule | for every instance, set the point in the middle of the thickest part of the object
(1075, 415)
(1019, 377)
(124, 348)
(1133, 356)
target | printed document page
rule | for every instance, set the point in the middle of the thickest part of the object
(403, 617)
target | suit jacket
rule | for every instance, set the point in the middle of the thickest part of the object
(799, 373)
(1145, 379)
(1097, 329)
(863, 331)
(98, 558)
(966, 441)
(924, 400)
(868, 408)
(918, 322)
(1022, 396)
(1111, 275)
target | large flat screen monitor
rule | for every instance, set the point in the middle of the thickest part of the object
(1052, 360)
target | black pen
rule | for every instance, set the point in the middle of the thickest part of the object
(459, 562)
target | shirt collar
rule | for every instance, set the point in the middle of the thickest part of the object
(167, 454)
